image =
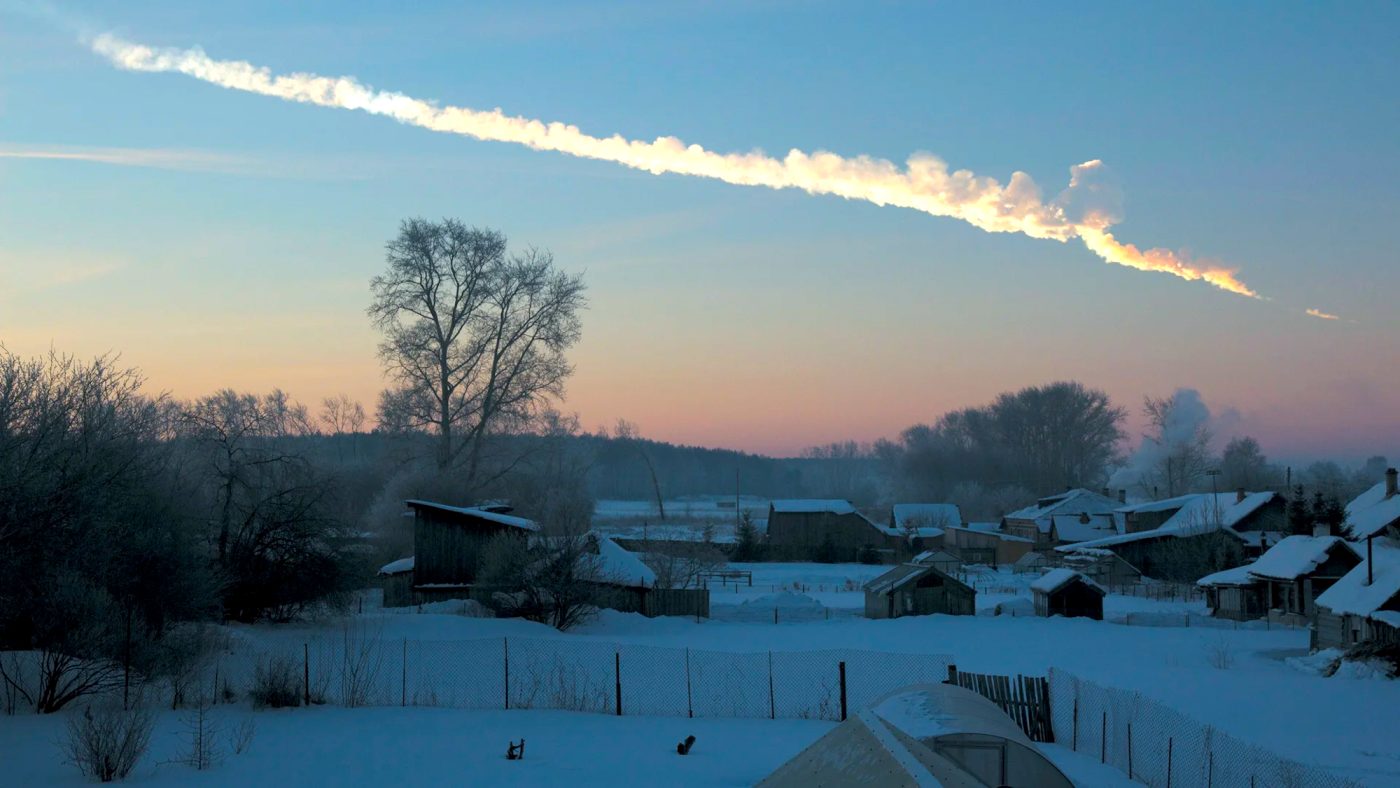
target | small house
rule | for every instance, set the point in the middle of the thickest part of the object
(1065, 592)
(1297, 570)
(918, 590)
(1375, 512)
(1364, 606)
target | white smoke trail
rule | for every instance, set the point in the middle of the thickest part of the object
(924, 184)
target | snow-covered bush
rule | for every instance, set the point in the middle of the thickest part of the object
(106, 742)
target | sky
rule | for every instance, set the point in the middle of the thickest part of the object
(217, 238)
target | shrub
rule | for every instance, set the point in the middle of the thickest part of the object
(105, 743)
(276, 684)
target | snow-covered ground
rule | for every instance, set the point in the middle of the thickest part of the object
(1234, 680)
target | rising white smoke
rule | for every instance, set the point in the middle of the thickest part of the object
(923, 184)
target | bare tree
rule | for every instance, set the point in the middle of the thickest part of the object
(474, 337)
(341, 415)
(1182, 438)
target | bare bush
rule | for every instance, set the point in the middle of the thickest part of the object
(362, 661)
(241, 735)
(106, 742)
(275, 684)
(1219, 653)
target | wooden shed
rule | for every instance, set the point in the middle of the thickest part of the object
(447, 546)
(1065, 592)
(918, 590)
(1234, 594)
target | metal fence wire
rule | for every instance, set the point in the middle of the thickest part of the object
(1159, 746)
(578, 675)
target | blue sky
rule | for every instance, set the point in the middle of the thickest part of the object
(1261, 135)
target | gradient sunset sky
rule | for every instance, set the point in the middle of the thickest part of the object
(216, 238)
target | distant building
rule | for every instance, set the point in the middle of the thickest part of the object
(914, 589)
(984, 543)
(1188, 536)
(1037, 522)
(827, 530)
(924, 522)
(1065, 592)
(448, 542)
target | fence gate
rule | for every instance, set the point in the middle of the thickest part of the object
(1025, 699)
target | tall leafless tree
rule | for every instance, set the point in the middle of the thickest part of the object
(474, 337)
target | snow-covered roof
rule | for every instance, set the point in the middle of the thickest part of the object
(1074, 501)
(1055, 579)
(619, 565)
(895, 577)
(1083, 527)
(1352, 595)
(1239, 576)
(1297, 556)
(1005, 537)
(397, 567)
(1370, 512)
(925, 515)
(492, 513)
(813, 505)
(1195, 514)
(935, 557)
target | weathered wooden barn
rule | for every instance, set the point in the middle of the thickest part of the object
(1065, 592)
(914, 589)
(827, 530)
(983, 543)
(448, 542)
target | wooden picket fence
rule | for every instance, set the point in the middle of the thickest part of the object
(1025, 699)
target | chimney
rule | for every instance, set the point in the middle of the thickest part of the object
(1239, 495)
(1390, 475)
(1122, 496)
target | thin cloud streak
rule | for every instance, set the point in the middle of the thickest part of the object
(924, 183)
(157, 158)
(1318, 313)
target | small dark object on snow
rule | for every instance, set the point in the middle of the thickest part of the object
(684, 747)
(516, 752)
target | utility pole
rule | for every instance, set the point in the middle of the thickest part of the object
(1215, 494)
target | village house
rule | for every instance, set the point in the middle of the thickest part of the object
(918, 589)
(984, 543)
(1364, 606)
(1065, 592)
(924, 523)
(1037, 522)
(1234, 594)
(827, 530)
(1297, 570)
(1184, 537)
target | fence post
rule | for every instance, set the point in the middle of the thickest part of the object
(1210, 769)
(403, 692)
(1103, 740)
(1074, 742)
(1169, 762)
(506, 642)
(306, 674)
(775, 615)
(1130, 751)
(772, 707)
(617, 677)
(689, 703)
(953, 675)
(841, 666)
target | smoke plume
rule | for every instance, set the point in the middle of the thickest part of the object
(923, 184)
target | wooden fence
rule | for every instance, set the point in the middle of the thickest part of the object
(1025, 699)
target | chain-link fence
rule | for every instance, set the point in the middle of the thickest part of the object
(1159, 746)
(576, 675)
